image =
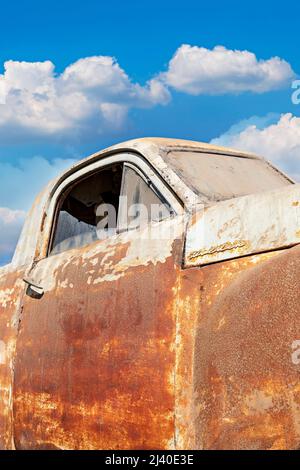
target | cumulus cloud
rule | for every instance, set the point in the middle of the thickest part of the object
(11, 223)
(277, 141)
(94, 94)
(197, 70)
(91, 94)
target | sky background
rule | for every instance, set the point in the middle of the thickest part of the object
(76, 77)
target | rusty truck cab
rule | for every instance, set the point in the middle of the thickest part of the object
(159, 334)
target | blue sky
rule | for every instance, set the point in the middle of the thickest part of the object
(145, 93)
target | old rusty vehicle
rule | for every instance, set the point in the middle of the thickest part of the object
(183, 339)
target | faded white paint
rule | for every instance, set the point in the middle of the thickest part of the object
(243, 226)
(151, 245)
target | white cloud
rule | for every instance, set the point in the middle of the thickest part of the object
(277, 141)
(197, 70)
(93, 93)
(11, 223)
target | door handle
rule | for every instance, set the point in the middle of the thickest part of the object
(33, 290)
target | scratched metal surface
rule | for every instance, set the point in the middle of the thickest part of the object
(243, 226)
(95, 356)
(206, 366)
(11, 288)
(246, 386)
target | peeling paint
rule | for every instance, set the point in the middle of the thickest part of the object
(244, 226)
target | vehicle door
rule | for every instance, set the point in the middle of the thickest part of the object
(95, 358)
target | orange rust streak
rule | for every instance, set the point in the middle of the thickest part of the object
(96, 371)
(10, 297)
(246, 387)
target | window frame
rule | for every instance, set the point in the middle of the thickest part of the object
(138, 163)
(63, 195)
(153, 188)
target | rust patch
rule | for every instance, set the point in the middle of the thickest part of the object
(11, 287)
(246, 387)
(97, 370)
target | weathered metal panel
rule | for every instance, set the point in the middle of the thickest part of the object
(243, 226)
(95, 365)
(11, 287)
(246, 384)
(199, 358)
(214, 177)
(28, 242)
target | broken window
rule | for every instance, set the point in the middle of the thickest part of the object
(116, 198)
(77, 217)
(140, 203)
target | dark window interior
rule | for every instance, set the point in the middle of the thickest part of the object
(78, 217)
(77, 220)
